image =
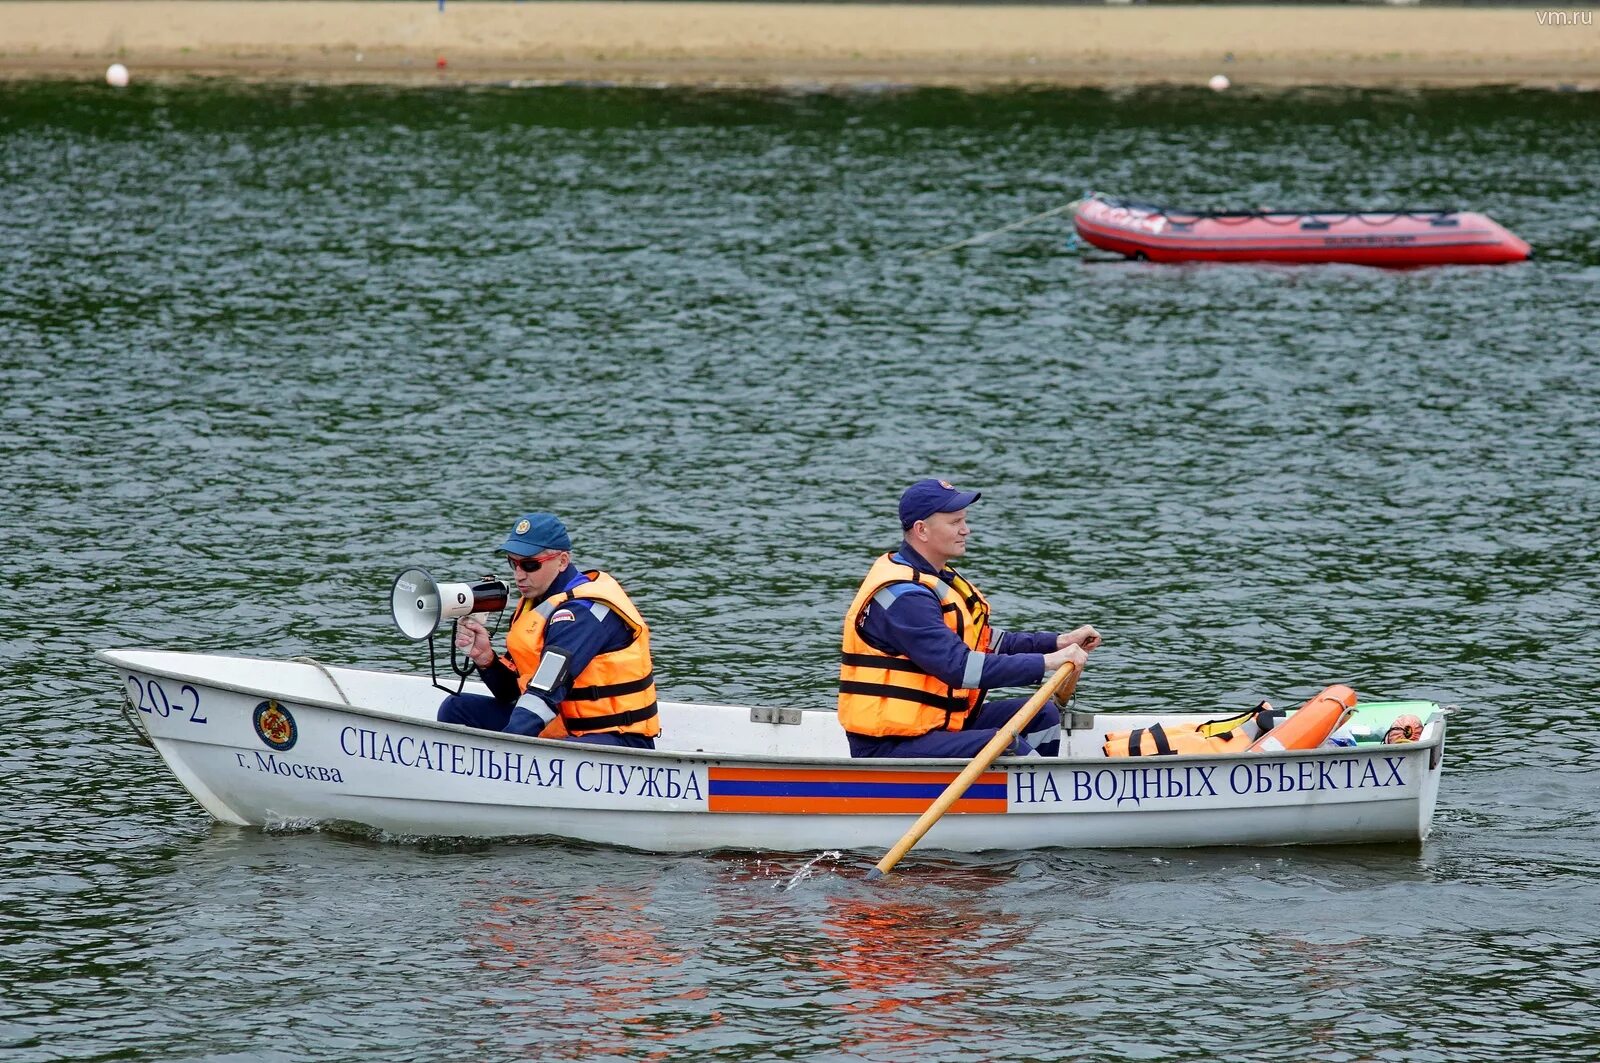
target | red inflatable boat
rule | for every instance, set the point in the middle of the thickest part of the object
(1390, 238)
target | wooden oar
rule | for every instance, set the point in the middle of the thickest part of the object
(980, 764)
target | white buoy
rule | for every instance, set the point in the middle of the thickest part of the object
(117, 76)
(1219, 82)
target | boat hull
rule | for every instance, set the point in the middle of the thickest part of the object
(1366, 239)
(274, 749)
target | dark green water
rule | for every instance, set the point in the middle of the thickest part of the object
(260, 348)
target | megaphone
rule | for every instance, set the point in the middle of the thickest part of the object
(420, 603)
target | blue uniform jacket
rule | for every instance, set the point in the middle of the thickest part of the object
(913, 626)
(572, 629)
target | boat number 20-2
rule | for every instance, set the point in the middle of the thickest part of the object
(152, 698)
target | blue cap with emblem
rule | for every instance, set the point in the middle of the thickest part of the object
(535, 533)
(926, 497)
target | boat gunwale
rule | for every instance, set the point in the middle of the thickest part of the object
(1339, 214)
(857, 763)
(1317, 239)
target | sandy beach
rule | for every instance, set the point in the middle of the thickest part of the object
(798, 43)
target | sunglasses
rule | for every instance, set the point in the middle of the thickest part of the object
(530, 564)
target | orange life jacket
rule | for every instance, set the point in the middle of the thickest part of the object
(887, 694)
(616, 691)
(1231, 734)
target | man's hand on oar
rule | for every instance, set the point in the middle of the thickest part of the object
(1074, 647)
(1071, 653)
(1085, 636)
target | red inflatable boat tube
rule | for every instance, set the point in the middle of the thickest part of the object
(1365, 238)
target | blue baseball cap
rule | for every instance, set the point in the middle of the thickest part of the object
(926, 497)
(535, 533)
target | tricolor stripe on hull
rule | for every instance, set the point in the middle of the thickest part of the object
(862, 793)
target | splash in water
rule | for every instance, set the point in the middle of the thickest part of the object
(806, 870)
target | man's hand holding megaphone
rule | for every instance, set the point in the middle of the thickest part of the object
(473, 637)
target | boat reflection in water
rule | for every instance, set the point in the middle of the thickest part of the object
(906, 961)
(587, 975)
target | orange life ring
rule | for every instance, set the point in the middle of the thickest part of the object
(1311, 724)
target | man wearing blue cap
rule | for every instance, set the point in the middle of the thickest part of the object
(920, 654)
(577, 662)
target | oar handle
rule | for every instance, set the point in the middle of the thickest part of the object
(980, 764)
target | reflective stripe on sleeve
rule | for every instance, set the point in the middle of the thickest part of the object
(972, 676)
(538, 706)
(1043, 735)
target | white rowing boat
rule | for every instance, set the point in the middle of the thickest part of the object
(262, 743)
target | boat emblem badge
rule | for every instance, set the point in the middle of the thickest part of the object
(947, 485)
(275, 726)
(522, 527)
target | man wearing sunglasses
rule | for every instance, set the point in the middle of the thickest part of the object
(920, 656)
(577, 662)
